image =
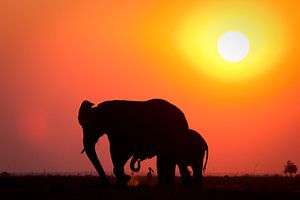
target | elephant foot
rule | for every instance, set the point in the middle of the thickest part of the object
(104, 184)
(126, 178)
(170, 182)
(160, 181)
(198, 183)
(186, 181)
(198, 178)
(123, 180)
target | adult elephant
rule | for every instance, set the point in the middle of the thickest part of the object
(152, 127)
(189, 152)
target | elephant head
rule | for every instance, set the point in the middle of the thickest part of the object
(87, 118)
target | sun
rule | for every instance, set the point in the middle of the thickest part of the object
(233, 46)
(227, 42)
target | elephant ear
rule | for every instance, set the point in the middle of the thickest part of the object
(85, 112)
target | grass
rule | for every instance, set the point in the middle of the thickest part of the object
(87, 187)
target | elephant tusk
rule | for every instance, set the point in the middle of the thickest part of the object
(83, 150)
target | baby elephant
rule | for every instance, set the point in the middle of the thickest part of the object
(192, 154)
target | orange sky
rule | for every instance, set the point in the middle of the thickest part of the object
(54, 54)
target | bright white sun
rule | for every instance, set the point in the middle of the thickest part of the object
(233, 46)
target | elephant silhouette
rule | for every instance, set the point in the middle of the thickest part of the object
(193, 149)
(141, 129)
(189, 152)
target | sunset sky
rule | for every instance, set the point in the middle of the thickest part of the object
(56, 53)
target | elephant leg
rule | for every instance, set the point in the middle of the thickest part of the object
(165, 171)
(170, 172)
(119, 158)
(186, 178)
(161, 169)
(197, 174)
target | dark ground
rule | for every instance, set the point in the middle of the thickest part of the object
(87, 187)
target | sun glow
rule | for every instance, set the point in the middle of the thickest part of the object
(218, 45)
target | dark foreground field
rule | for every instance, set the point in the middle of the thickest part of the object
(87, 187)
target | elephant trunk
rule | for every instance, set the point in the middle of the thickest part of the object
(91, 154)
(132, 163)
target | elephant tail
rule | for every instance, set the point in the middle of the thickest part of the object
(206, 157)
(132, 163)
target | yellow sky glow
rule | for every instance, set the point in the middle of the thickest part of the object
(198, 35)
